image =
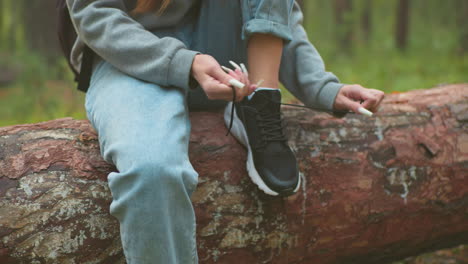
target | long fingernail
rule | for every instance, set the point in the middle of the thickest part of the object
(235, 65)
(365, 112)
(260, 82)
(244, 69)
(226, 69)
(236, 83)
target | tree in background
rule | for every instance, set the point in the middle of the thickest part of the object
(402, 24)
(39, 27)
(366, 23)
(343, 9)
(11, 30)
(462, 21)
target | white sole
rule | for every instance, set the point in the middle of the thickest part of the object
(239, 132)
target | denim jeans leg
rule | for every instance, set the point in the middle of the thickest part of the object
(223, 27)
(144, 130)
(268, 17)
(217, 32)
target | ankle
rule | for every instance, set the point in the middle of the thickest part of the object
(274, 84)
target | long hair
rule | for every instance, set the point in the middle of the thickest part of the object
(143, 6)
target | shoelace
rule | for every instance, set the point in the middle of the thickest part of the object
(271, 127)
(233, 108)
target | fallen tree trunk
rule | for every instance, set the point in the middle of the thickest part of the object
(374, 189)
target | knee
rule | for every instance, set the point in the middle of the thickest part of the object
(166, 176)
(145, 183)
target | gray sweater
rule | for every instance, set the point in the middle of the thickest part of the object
(128, 44)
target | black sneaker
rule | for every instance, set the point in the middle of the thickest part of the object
(257, 125)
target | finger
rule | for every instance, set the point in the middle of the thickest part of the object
(226, 69)
(365, 112)
(236, 75)
(370, 100)
(240, 74)
(242, 91)
(351, 105)
(235, 65)
(244, 79)
(244, 69)
(245, 91)
(380, 96)
(225, 78)
(218, 91)
(252, 88)
(230, 94)
(240, 94)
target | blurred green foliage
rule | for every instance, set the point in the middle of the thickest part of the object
(41, 90)
(41, 86)
(433, 55)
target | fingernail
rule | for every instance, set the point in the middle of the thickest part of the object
(364, 111)
(235, 65)
(226, 69)
(236, 83)
(260, 82)
(244, 69)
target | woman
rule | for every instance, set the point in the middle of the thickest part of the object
(160, 58)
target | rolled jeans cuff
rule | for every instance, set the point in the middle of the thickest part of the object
(266, 27)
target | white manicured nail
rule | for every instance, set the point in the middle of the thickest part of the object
(236, 83)
(235, 65)
(364, 111)
(244, 69)
(226, 69)
(260, 82)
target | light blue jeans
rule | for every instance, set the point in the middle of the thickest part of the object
(144, 130)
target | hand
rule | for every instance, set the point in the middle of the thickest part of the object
(351, 97)
(238, 74)
(214, 81)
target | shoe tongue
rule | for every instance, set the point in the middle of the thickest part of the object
(266, 100)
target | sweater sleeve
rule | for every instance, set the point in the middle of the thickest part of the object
(106, 27)
(303, 71)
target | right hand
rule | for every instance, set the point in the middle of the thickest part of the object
(215, 82)
(354, 96)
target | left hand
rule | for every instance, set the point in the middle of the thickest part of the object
(351, 97)
(242, 77)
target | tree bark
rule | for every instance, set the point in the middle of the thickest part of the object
(374, 189)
